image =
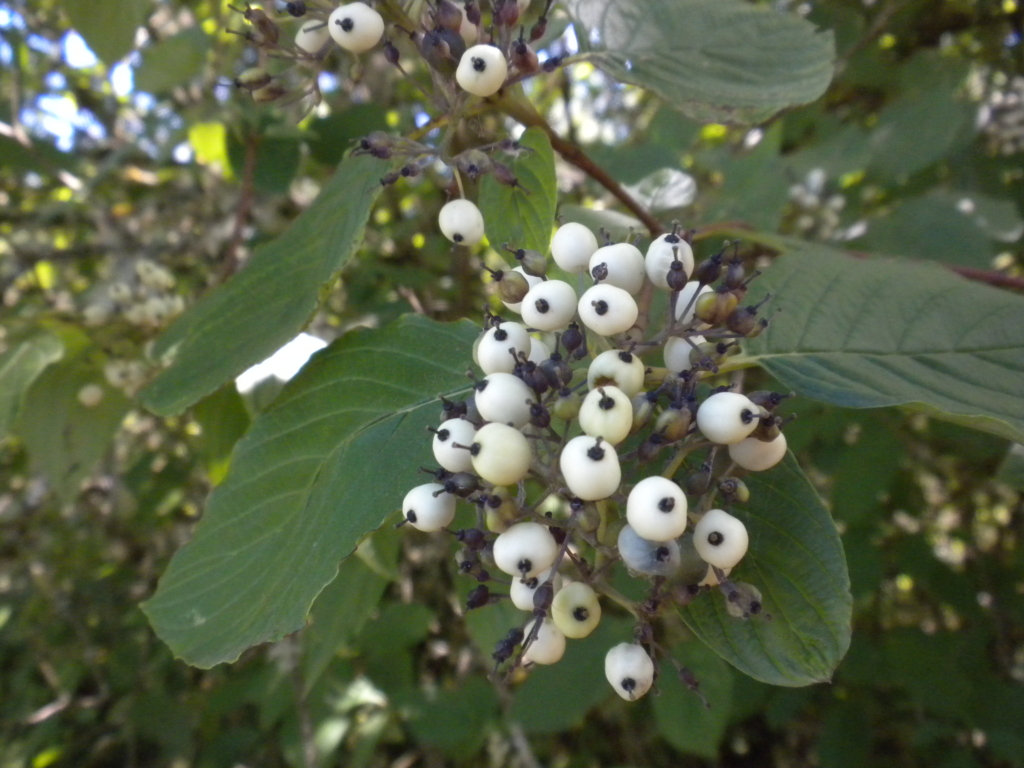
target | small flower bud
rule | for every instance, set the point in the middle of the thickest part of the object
(734, 490)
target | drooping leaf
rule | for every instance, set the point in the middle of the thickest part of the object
(867, 333)
(19, 367)
(683, 720)
(344, 606)
(223, 420)
(173, 61)
(523, 218)
(267, 303)
(796, 560)
(108, 27)
(66, 438)
(720, 60)
(318, 470)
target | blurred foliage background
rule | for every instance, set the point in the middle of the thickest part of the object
(134, 178)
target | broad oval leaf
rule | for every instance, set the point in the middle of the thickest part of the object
(867, 333)
(797, 561)
(270, 300)
(64, 437)
(723, 60)
(323, 466)
(109, 26)
(19, 367)
(173, 61)
(523, 218)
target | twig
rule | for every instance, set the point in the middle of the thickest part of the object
(231, 260)
(522, 745)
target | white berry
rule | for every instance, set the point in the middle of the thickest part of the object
(525, 550)
(758, 455)
(727, 417)
(576, 610)
(494, 353)
(482, 70)
(522, 590)
(549, 306)
(629, 670)
(590, 467)
(539, 351)
(445, 453)
(686, 305)
(461, 222)
(656, 508)
(501, 454)
(619, 369)
(531, 280)
(312, 36)
(504, 398)
(660, 255)
(356, 27)
(650, 558)
(572, 246)
(425, 510)
(677, 352)
(621, 265)
(548, 646)
(607, 310)
(721, 539)
(607, 412)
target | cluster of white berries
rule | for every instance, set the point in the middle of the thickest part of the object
(817, 212)
(145, 298)
(1001, 116)
(556, 507)
(455, 40)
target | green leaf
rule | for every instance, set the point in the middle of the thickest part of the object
(344, 606)
(270, 300)
(682, 718)
(223, 419)
(109, 26)
(66, 439)
(558, 697)
(926, 122)
(455, 720)
(318, 470)
(721, 60)
(328, 137)
(523, 218)
(796, 561)
(1011, 470)
(173, 61)
(751, 182)
(276, 162)
(929, 227)
(19, 367)
(846, 736)
(867, 333)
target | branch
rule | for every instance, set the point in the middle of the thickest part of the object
(523, 112)
(231, 260)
